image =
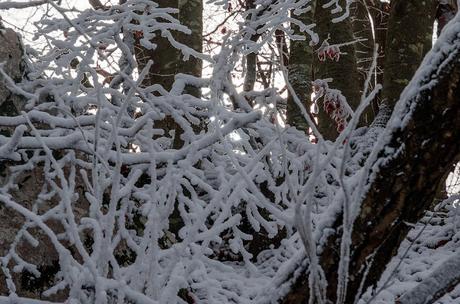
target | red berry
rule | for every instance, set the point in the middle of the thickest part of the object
(321, 56)
(340, 127)
(329, 107)
(330, 53)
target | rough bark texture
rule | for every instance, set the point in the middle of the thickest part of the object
(11, 54)
(344, 72)
(409, 38)
(405, 185)
(164, 57)
(300, 75)
(442, 280)
(168, 61)
(29, 186)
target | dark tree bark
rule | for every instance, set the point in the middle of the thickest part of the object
(191, 15)
(445, 11)
(164, 57)
(362, 26)
(251, 58)
(405, 183)
(168, 61)
(11, 53)
(300, 75)
(369, 21)
(29, 185)
(344, 72)
(410, 30)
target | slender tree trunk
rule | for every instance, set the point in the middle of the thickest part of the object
(251, 58)
(300, 74)
(409, 38)
(191, 15)
(344, 73)
(362, 24)
(369, 21)
(165, 57)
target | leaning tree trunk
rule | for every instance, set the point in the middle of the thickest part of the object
(344, 72)
(402, 184)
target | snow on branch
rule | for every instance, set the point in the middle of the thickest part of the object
(145, 185)
(19, 5)
(152, 195)
(442, 280)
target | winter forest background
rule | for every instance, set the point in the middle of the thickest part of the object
(229, 151)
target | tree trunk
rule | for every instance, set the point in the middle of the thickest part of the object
(250, 76)
(300, 75)
(409, 38)
(11, 53)
(168, 61)
(362, 30)
(405, 183)
(29, 186)
(369, 21)
(165, 58)
(191, 15)
(344, 72)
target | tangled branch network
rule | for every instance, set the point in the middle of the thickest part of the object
(140, 213)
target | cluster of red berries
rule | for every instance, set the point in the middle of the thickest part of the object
(334, 103)
(333, 107)
(328, 51)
